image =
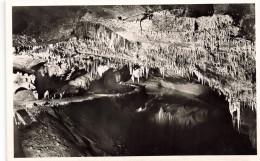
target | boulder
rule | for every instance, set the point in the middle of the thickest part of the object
(24, 95)
(82, 81)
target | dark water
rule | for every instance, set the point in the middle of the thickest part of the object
(171, 124)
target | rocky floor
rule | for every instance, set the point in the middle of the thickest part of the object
(48, 138)
(69, 99)
(55, 134)
(44, 132)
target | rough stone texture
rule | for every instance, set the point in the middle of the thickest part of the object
(211, 48)
(24, 95)
(82, 81)
(48, 138)
(23, 81)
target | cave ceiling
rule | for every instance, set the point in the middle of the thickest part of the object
(216, 43)
(52, 24)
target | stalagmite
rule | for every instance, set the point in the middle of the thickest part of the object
(185, 61)
(146, 72)
(46, 94)
(137, 73)
(36, 95)
(131, 68)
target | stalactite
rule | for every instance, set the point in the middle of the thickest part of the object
(180, 60)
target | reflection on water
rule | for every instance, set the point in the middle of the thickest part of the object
(183, 117)
(164, 125)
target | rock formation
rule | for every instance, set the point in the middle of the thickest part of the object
(208, 48)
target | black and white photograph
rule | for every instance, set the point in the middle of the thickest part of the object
(133, 80)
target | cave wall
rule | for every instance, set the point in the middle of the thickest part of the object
(208, 47)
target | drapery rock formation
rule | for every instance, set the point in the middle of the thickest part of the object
(208, 47)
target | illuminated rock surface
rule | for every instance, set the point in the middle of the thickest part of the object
(90, 50)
